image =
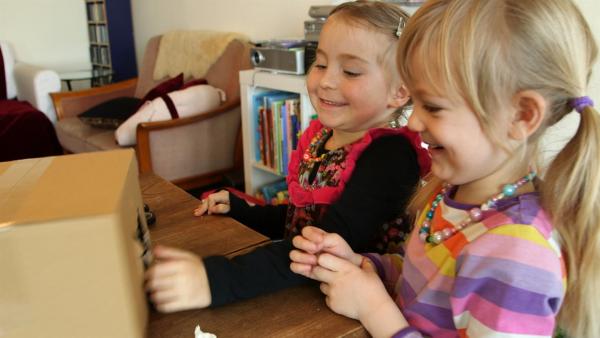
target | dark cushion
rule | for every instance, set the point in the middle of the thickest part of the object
(164, 87)
(112, 113)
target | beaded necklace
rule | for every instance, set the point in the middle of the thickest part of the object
(310, 154)
(475, 214)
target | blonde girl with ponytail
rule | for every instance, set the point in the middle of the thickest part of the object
(498, 248)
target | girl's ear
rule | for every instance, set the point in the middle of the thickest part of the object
(530, 110)
(399, 97)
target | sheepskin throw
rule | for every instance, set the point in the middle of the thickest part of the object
(190, 52)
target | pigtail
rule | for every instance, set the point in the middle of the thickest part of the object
(571, 195)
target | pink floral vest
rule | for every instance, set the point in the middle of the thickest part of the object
(310, 200)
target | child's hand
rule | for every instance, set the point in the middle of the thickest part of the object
(217, 203)
(314, 241)
(177, 281)
(353, 291)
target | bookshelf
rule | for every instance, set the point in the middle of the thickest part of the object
(253, 83)
(110, 31)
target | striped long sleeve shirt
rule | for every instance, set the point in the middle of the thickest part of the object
(501, 277)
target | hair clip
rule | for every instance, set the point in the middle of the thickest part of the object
(401, 25)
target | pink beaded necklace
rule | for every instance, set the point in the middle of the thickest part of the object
(475, 214)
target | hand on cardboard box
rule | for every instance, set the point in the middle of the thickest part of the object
(177, 281)
(217, 203)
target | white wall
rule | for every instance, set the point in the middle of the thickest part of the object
(263, 19)
(50, 33)
(258, 19)
(591, 10)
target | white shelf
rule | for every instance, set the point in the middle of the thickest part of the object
(252, 82)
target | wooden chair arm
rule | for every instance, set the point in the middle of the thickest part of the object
(70, 104)
(144, 129)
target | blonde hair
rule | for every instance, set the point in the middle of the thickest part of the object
(380, 17)
(377, 16)
(486, 52)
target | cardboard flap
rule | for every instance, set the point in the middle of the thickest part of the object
(63, 187)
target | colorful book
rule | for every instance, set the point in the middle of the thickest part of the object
(285, 139)
(294, 116)
(258, 120)
(273, 104)
(261, 155)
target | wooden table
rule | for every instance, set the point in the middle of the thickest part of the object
(295, 312)
(177, 226)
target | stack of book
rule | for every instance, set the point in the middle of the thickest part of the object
(277, 116)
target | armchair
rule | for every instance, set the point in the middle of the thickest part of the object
(29, 83)
(191, 151)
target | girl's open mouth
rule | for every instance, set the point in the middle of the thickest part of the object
(332, 103)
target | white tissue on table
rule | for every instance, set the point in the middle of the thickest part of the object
(199, 334)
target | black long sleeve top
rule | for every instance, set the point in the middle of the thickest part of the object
(383, 180)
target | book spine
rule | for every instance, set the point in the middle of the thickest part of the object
(285, 139)
(269, 133)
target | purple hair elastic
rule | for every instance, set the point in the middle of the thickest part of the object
(579, 103)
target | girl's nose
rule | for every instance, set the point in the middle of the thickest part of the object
(329, 79)
(414, 122)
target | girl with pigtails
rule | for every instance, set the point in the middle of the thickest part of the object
(498, 248)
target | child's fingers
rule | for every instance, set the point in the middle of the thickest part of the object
(151, 272)
(201, 209)
(301, 269)
(302, 257)
(332, 240)
(334, 263)
(156, 281)
(168, 306)
(304, 244)
(176, 304)
(219, 209)
(210, 205)
(367, 265)
(221, 196)
(218, 198)
(164, 269)
(165, 252)
(324, 288)
(163, 296)
(313, 234)
(328, 302)
(322, 275)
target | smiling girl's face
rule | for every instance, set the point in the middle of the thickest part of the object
(461, 152)
(348, 85)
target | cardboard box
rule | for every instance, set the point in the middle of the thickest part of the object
(70, 247)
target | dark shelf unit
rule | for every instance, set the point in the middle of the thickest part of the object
(112, 50)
